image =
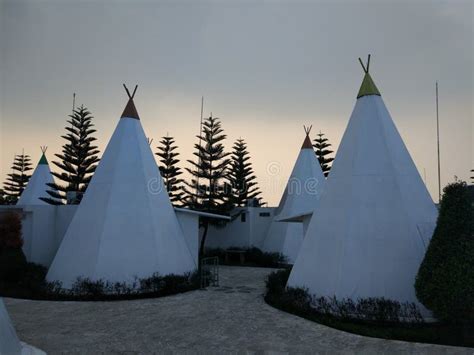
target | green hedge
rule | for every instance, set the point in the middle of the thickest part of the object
(253, 257)
(445, 281)
(31, 283)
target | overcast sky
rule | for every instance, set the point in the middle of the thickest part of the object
(266, 68)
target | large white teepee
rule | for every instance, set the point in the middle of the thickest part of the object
(36, 186)
(300, 197)
(125, 226)
(9, 343)
(375, 216)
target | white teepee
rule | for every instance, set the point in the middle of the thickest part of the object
(375, 216)
(9, 343)
(300, 197)
(125, 226)
(36, 186)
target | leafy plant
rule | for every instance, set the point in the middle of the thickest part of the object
(12, 259)
(445, 280)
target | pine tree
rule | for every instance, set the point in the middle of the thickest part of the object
(170, 171)
(241, 176)
(321, 146)
(78, 159)
(207, 190)
(18, 178)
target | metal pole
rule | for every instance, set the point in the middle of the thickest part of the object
(437, 133)
(200, 140)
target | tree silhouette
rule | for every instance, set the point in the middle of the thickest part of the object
(78, 160)
(170, 171)
(16, 181)
(241, 175)
(207, 190)
(321, 148)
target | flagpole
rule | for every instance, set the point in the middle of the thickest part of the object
(437, 133)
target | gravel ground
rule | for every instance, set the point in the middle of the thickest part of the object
(228, 319)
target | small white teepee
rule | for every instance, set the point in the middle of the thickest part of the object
(36, 186)
(375, 216)
(300, 197)
(125, 226)
(9, 343)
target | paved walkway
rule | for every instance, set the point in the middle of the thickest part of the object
(229, 319)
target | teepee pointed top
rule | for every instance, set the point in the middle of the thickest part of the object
(368, 86)
(307, 141)
(130, 111)
(43, 159)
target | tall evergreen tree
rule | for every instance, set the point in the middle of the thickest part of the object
(241, 175)
(207, 190)
(18, 178)
(169, 169)
(322, 150)
(78, 160)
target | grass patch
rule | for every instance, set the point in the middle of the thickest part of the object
(378, 318)
(32, 284)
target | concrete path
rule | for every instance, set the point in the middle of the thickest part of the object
(231, 318)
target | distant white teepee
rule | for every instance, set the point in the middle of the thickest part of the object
(300, 197)
(375, 216)
(9, 343)
(125, 226)
(36, 186)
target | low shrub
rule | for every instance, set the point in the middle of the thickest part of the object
(32, 284)
(374, 317)
(253, 257)
(300, 301)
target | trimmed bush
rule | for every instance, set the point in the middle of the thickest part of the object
(373, 317)
(12, 259)
(253, 257)
(299, 301)
(32, 284)
(445, 281)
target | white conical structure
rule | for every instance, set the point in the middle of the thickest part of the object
(125, 226)
(300, 197)
(36, 186)
(375, 216)
(9, 343)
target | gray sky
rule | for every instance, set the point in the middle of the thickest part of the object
(264, 67)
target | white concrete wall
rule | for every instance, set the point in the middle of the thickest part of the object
(190, 226)
(238, 233)
(44, 227)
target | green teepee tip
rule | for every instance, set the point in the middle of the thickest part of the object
(43, 160)
(368, 86)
